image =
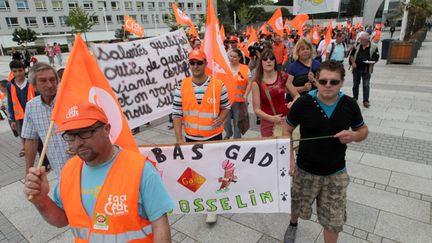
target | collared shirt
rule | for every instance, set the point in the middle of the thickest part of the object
(36, 122)
(338, 52)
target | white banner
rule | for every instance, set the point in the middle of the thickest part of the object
(315, 6)
(144, 73)
(243, 176)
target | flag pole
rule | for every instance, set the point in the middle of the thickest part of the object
(44, 149)
(214, 92)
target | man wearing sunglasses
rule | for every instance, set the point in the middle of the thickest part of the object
(201, 105)
(325, 117)
(105, 193)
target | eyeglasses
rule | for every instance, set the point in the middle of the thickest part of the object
(271, 58)
(70, 136)
(332, 82)
(193, 63)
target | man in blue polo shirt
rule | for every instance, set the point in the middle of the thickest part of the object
(336, 50)
(320, 173)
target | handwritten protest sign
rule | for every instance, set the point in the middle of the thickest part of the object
(144, 73)
(244, 176)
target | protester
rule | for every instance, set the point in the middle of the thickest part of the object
(49, 52)
(280, 51)
(3, 99)
(37, 118)
(196, 43)
(268, 94)
(106, 193)
(320, 173)
(16, 55)
(58, 53)
(363, 58)
(200, 104)
(337, 48)
(26, 57)
(302, 71)
(392, 30)
(241, 76)
(19, 92)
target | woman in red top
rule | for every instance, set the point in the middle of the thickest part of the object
(268, 78)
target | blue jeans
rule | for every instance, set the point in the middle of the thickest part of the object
(233, 117)
(358, 75)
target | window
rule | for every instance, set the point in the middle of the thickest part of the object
(190, 6)
(120, 19)
(72, 4)
(128, 5)
(40, 5)
(94, 19)
(198, 6)
(31, 21)
(88, 5)
(48, 21)
(62, 20)
(161, 5)
(4, 5)
(57, 4)
(101, 5)
(12, 22)
(115, 5)
(151, 5)
(181, 5)
(166, 18)
(133, 16)
(140, 5)
(155, 18)
(193, 16)
(108, 19)
(144, 19)
(22, 4)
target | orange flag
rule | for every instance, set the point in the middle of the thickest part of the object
(286, 26)
(182, 18)
(217, 58)
(328, 36)
(193, 31)
(252, 39)
(132, 26)
(222, 33)
(10, 76)
(315, 37)
(298, 21)
(276, 22)
(83, 81)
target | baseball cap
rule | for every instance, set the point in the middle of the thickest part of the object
(197, 54)
(81, 116)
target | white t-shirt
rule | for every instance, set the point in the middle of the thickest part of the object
(321, 48)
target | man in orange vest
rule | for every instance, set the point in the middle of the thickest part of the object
(19, 92)
(201, 105)
(280, 51)
(105, 193)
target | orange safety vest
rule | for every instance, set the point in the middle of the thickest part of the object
(17, 108)
(241, 79)
(198, 119)
(377, 36)
(2, 96)
(116, 215)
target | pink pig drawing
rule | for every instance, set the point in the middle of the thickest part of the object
(228, 176)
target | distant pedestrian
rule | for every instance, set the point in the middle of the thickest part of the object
(27, 57)
(392, 30)
(49, 52)
(58, 53)
(16, 55)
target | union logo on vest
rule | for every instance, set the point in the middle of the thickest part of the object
(116, 205)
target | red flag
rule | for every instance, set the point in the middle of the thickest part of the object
(276, 22)
(83, 81)
(218, 63)
(132, 26)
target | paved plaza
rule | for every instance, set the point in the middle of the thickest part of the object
(389, 198)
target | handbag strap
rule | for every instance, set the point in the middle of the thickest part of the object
(267, 92)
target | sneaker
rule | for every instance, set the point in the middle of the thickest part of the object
(366, 104)
(170, 126)
(211, 218)
(290, 234)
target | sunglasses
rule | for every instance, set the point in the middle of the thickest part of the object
(332, 82)
(271, 58)
(193, 63)
(70, 137)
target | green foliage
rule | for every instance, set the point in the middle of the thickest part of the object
(285, 3)
(245, 15)
(201, 21)
(79, 20)
(21, 35)
(353, 8)
(418, 12)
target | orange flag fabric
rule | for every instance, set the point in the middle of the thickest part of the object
(252, 39)
(298, 21)
(10, 76)
(182, 18)
(132, 26)
(83, 81)
(286, 26)
(193, 31)
(222, 33)
(315, 37)
(217, 58)
(276, 22)
(328, 36)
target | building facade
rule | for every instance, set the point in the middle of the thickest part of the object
(47, 17)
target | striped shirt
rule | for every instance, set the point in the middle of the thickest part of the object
(199, 90)
(36, 122)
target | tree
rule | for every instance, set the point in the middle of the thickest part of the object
(418, 12)
(80, 21)
(120, 33)
(245, 15)
(201, 21)
(353, 8)
(21, 35)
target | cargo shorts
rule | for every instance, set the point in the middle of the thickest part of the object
(329, 192)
